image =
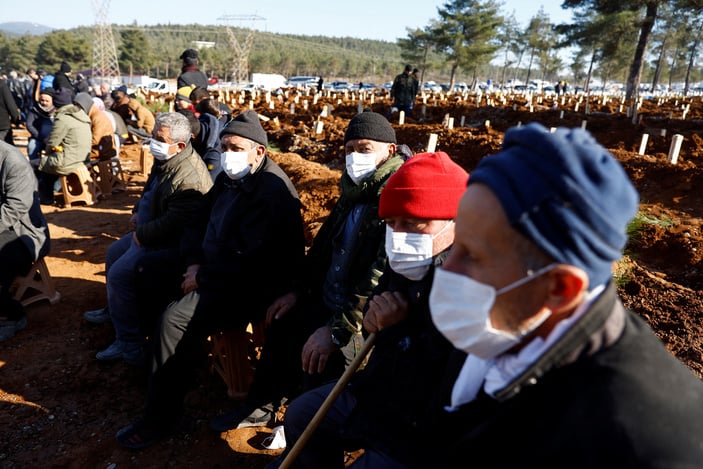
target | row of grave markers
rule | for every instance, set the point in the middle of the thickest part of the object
(448, 121)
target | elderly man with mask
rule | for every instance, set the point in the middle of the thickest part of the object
(171, 198)
(243, 251)
(385, 405)
(322, 314)
(558, 373)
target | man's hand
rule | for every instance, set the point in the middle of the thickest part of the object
(133, 222)
(317, 350)
(385, 310)
(189, 279)
(280, 307)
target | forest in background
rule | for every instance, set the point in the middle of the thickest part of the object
(636, 42)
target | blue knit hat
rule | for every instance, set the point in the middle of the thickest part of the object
(564, 192)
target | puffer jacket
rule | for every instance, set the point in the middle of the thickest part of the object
(181, 182)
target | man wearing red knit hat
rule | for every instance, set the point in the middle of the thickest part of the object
(385, 406)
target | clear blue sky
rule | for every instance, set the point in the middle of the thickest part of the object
(366, 19)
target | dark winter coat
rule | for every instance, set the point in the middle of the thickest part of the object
(192, 76)
(607, 394)
(39, 124)
(403, 90)
(8, 108)
(249, 242)
(395, 388)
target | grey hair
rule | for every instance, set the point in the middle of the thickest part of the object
(178, 123)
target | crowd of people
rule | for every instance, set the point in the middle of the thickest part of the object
(488, 298)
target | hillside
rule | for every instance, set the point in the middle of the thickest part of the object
(21, 28)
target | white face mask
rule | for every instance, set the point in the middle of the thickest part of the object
(461, 311)
(160, 150)
(360, 165)
(235, 163)
(410, 254)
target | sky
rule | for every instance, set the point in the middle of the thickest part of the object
(365, 19)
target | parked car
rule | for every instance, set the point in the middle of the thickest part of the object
(302, 82)
(431, 86)
(341, 85)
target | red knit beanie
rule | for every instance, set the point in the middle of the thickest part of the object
(428, 185)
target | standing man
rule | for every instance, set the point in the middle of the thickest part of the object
(322, 315)
(171, 199)
(387, 404)
(245, 251)
(24, 233)
(62, 79)
(558, 373)
(9, 113)
(403, 91)
(190, 73)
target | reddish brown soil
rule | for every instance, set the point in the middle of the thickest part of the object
(60, 408)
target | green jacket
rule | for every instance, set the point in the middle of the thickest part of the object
(182, 182)
(69, 142)
(369, 260)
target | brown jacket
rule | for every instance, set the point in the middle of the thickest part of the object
(102, 144)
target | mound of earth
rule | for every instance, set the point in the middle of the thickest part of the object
(60, 407)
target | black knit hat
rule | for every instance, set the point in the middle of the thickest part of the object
(370, 125)
(65, 67)
(189, 54)
(247, 125)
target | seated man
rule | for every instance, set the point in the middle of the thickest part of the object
(558, 373)
(139, 119)
(386, 404)
(245, 250)
(67, 147)
(171, 198)
(317, 325)
(24, 233)
(40, 121)
(102, 142)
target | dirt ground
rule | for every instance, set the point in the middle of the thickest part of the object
(59, 407)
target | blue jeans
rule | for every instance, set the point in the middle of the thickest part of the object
(123, 263)
(120, 264)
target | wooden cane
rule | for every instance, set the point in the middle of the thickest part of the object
(331, 397)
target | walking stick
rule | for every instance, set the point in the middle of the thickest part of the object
(331, 397)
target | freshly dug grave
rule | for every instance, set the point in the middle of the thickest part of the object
(59, 407)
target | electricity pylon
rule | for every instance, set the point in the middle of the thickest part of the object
(105, 63)
(240, 63)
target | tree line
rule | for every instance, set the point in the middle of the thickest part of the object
(638, 42)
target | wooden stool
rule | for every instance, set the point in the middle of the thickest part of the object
(35, 286)
(234, 355)
(79, 187)
(108, 175)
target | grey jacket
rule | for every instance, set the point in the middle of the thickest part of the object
(19, 202)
